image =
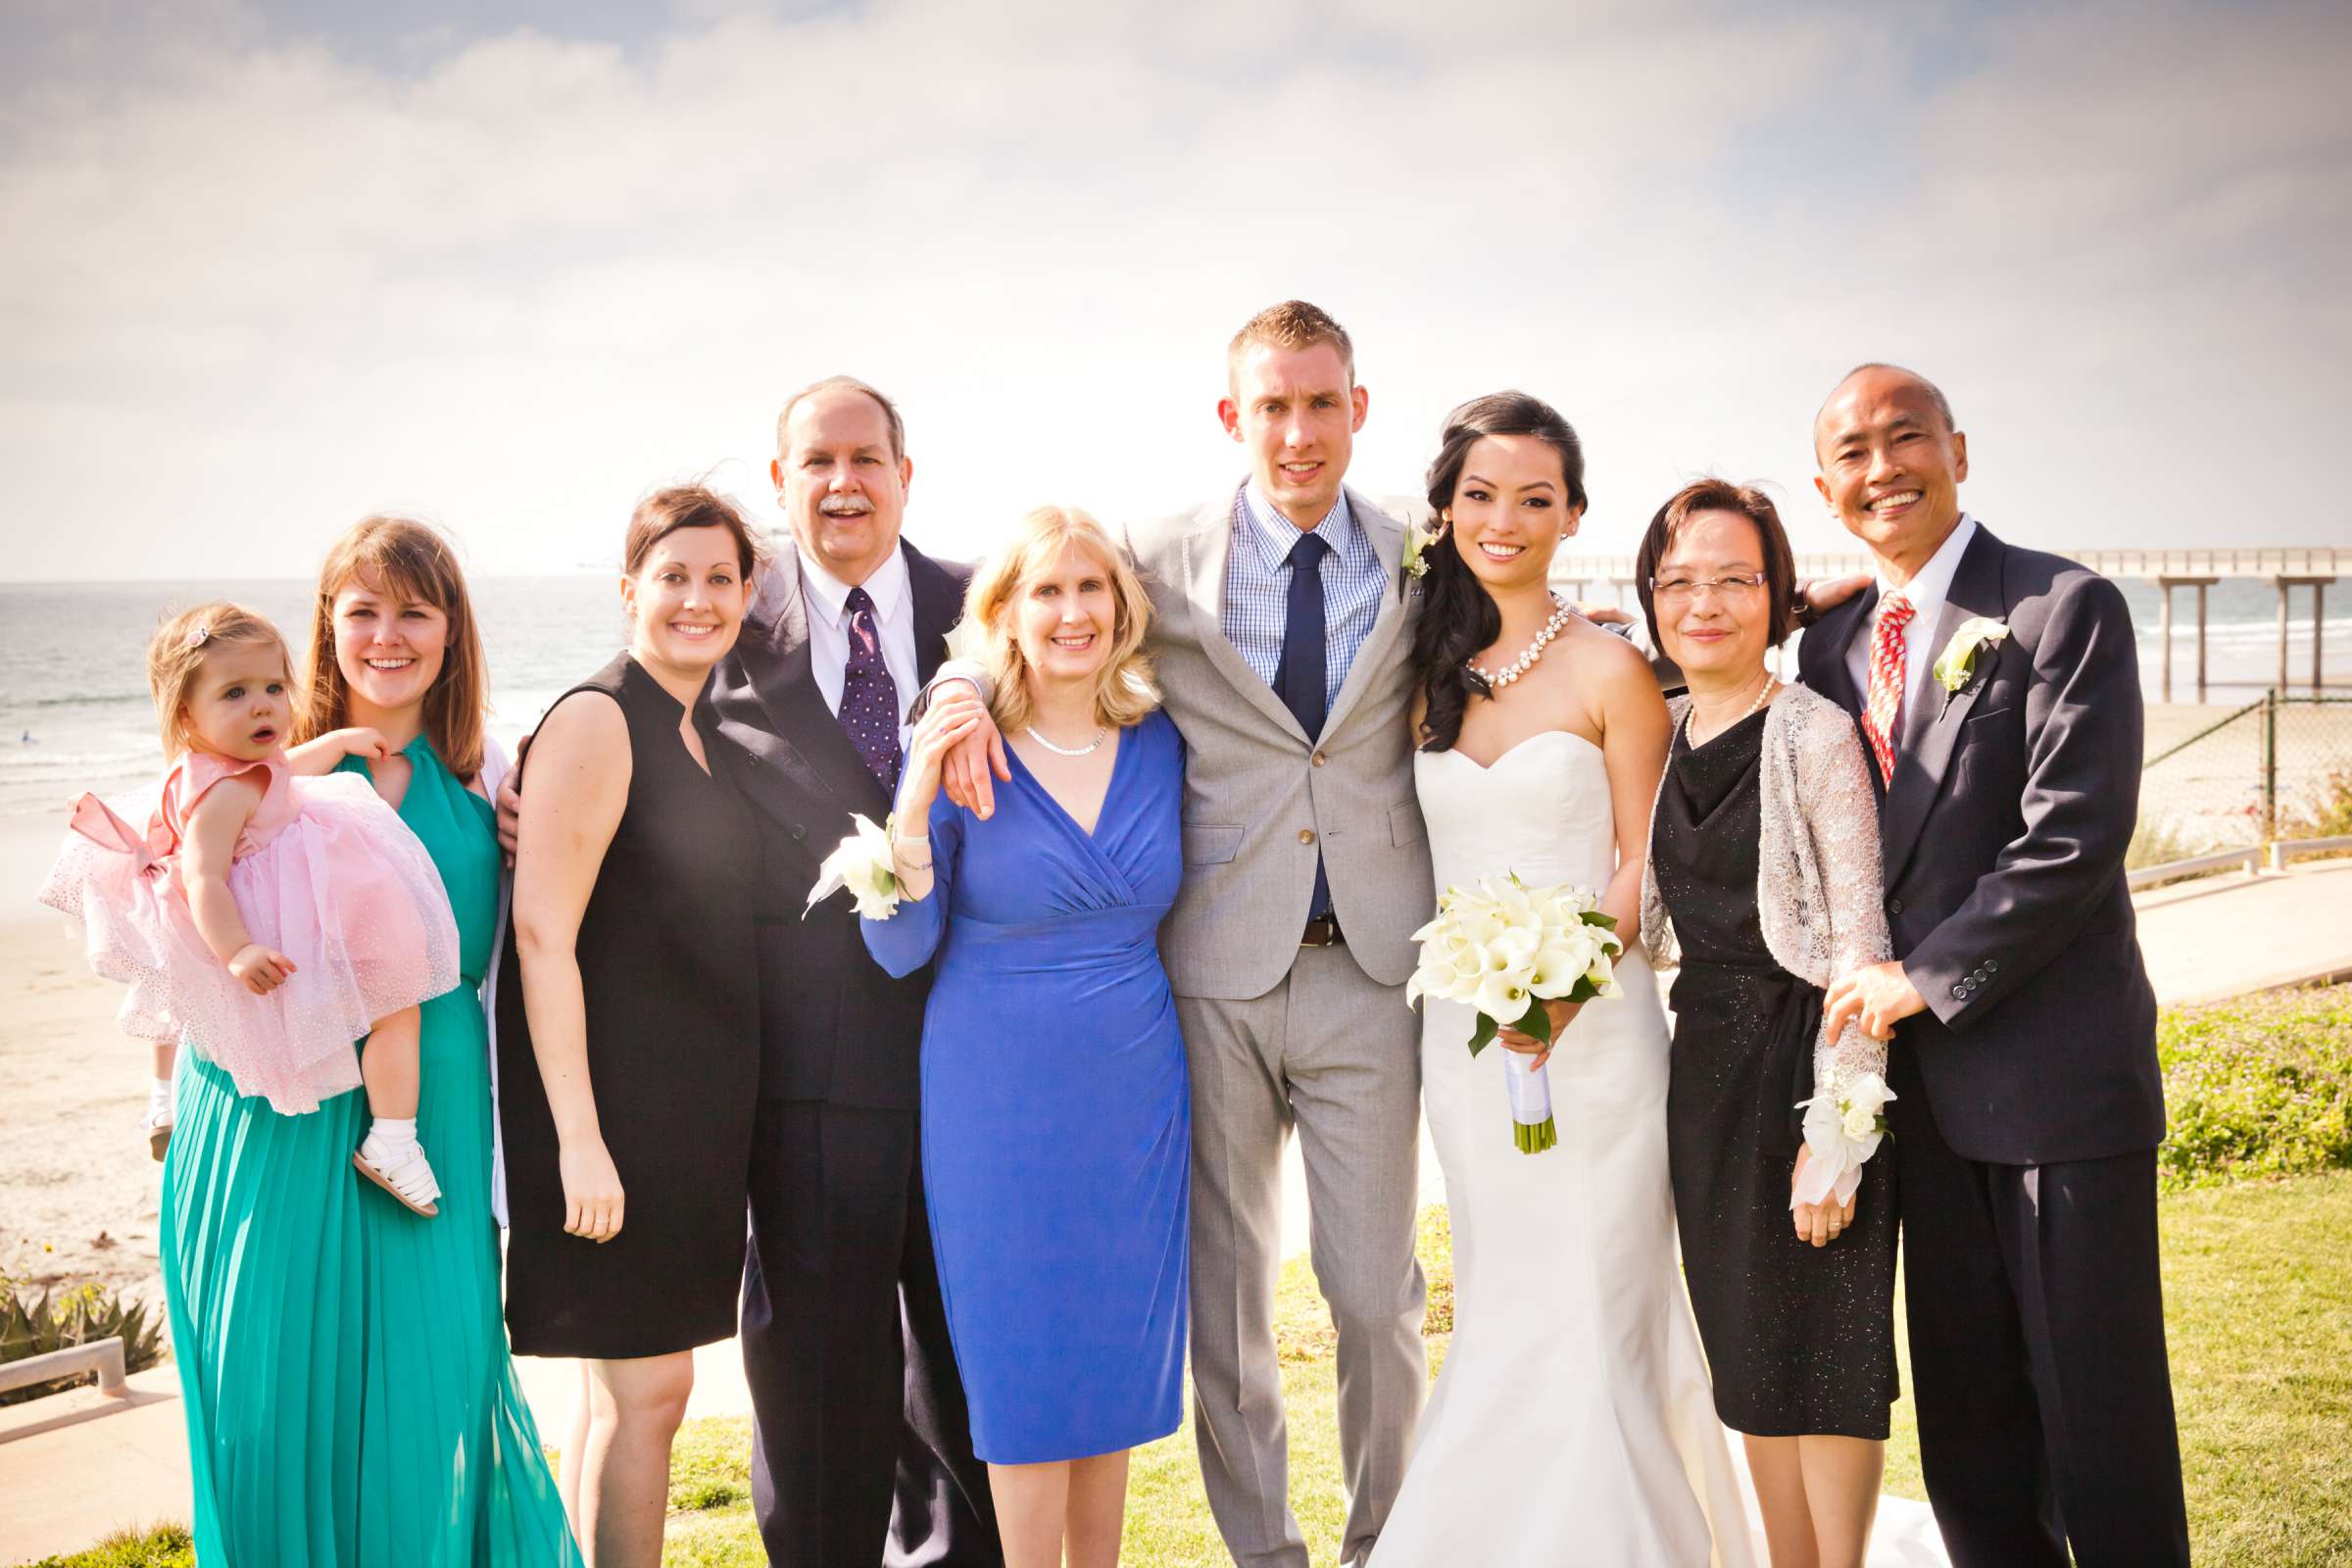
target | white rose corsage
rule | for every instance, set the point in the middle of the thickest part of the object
(1416, 540)
(861, 863)
(1842, 1130)
(1958, 663)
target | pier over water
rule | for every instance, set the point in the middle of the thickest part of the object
(2293, 569)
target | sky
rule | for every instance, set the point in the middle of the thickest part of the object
(507, 265)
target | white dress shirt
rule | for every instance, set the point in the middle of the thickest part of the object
(826, 599)
(1927, 591)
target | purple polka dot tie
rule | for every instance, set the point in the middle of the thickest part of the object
(870, 698)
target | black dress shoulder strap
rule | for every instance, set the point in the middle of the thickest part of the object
(613, 681)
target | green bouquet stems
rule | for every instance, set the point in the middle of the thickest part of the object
(1534, 1138)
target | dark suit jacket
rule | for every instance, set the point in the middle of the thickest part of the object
(2005, 826)
(833, 1026)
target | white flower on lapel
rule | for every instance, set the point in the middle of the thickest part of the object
(1959, 661)
(861, 863)
(967, 641)
(1415, 542)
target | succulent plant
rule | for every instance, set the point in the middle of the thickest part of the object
(58, 1319)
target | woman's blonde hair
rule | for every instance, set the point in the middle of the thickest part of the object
(403, 559)
(175, 657)
(1124, 691)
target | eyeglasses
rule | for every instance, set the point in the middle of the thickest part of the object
(1732, 585)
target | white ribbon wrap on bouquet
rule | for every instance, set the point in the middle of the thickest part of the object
(1530, 1089)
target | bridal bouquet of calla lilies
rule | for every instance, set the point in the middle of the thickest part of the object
(1506, 948)
(861, 863)
(1842, 1129)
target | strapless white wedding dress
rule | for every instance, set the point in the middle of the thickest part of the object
(1572, 1422)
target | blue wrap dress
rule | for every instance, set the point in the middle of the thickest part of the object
(1057, 1109)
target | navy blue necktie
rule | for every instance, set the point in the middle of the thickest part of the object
(1299, 678)
(870, 698)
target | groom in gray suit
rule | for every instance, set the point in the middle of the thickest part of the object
(1281, 631)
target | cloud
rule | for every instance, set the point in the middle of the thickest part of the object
(261, 281)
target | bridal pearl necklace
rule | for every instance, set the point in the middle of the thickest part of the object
(1499, 679)
(1101, 731)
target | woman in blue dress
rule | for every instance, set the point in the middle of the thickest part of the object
(1057, 1109)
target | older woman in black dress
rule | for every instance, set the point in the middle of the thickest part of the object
(628, 1020)
(1764, 884)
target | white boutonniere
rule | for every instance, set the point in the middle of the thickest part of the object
(863, 863)
(1958, 665)
(1416, 540)
(1842, 1131)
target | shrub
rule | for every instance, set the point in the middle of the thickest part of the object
(164, 1547)
(31, 1327)
(2261, 1086)
(2160, 841)
(2326, 813)
(710, 1465)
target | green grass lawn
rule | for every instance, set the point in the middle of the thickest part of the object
(2258, 1294)
(2257, 1217)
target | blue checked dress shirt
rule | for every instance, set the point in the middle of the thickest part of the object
(1258, 585)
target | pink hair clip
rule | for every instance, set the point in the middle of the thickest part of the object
(199, 634)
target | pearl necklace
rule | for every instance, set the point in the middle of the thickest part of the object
(1101, 731)
(1771, 684)
(1498, 679)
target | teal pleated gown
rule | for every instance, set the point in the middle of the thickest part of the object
(350, 1396)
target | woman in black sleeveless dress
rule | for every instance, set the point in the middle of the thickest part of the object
(1764, 885)
(628, 1018)
(1799, 1340)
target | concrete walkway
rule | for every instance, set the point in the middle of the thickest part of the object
(78, 1465)
(2225, 936)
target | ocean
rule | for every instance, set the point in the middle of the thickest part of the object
(74, 712)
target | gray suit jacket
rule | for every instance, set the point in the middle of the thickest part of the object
(1260, 796)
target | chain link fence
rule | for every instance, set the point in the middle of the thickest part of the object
(2277, 769)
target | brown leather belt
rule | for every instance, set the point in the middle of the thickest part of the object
(1323, 931)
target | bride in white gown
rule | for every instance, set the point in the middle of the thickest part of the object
(1572, 1421)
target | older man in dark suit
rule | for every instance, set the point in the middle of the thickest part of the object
(1998, 691)
(861, 1448)
(845, 1341)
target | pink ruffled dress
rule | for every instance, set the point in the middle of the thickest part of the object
(324, 872)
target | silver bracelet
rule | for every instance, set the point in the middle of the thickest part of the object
(899, 839)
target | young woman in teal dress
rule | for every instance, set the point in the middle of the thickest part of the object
(351, 1399)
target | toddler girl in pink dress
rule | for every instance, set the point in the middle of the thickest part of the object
(267, 919)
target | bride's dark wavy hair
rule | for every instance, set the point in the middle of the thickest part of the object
(1457, 616)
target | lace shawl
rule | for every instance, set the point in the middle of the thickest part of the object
(1819, 881)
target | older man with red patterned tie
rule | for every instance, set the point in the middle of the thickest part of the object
(1999, 689)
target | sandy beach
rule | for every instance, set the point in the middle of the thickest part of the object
(78, 1191)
